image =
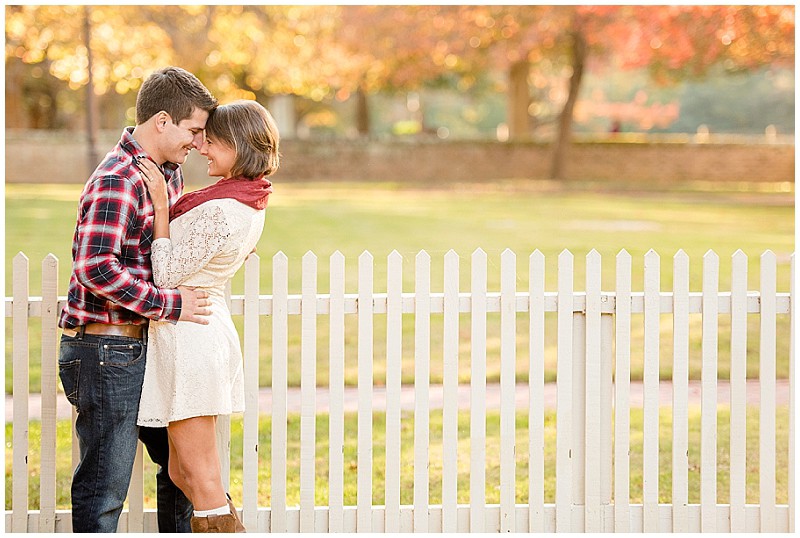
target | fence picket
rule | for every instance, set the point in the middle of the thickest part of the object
(564, 448)
(76, 451)
(19, 495)
(766, 376)
(536, 395)
(250, 367)
(223, 428)
(477, 430)
(586, 333)
(652, 283)
(622, 382)
(336, 381)
(136, 492)
(422, 356)
(738, 391)
(47, 475)
(394, 358)
(708, 404)
(578, 419)
(450, 396)
(365, 313)
(280, 324)
(680, 391)
(593, 517)
(508, 360)
(606, 417)
(308, 392)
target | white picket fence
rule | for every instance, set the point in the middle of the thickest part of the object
(593, 412)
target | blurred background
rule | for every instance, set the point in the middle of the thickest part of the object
(440, 127)
(464, 92)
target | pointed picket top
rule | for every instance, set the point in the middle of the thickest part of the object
(623, 255)
(451, 255)
(536, 254)
(280, 257)
(593, 268)
(49, 262)
(19, 257)
(395, 256)
(336, 264)
(565, 255)
(739, 257)
(423, 256)
(366, 256)
(680, 265)
(710, 255)
(651, 258)
(309, 256)
(479, 252)
(508, 255)
(768, 267)
(479, 256)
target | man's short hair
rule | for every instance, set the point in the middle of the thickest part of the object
(175, 91)
(250, 130)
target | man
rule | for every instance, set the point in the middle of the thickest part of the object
(111, 297)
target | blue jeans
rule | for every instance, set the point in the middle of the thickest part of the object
(102, 377)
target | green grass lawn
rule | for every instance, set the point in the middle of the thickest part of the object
(523, 216)
(63, 456)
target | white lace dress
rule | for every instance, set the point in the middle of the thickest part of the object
(196, 370)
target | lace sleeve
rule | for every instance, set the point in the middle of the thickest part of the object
(205, 235)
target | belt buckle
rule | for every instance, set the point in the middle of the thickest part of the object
(72, 333)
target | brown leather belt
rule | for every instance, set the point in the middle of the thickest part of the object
(128, 329)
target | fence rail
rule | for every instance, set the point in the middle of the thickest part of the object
(592, 414)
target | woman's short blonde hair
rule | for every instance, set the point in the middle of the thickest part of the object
(248, 128)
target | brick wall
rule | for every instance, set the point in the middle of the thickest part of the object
(59, 158)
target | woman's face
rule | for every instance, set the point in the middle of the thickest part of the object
(220, 157)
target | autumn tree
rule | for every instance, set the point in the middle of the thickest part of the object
(399, 48)
(674, 42)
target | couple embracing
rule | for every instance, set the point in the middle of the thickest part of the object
(148, 348)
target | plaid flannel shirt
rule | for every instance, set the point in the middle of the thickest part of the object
(112, 279)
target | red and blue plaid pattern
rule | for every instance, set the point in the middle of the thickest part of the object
(112, 279)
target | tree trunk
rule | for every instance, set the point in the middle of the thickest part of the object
(16, 117)
(564, 134)
(362, 112)
(518, 100)
(91, 102)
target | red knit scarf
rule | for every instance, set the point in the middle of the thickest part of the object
(251, 192)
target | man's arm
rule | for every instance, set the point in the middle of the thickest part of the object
(108, 207)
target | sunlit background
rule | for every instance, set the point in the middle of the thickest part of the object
(446, 72)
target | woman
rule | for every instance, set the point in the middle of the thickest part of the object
(194, 372)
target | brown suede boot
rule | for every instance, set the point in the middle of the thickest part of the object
(238, 527)
(226, 523)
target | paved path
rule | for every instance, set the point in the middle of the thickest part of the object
(492, 397)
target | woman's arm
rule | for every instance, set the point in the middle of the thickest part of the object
(157, 187)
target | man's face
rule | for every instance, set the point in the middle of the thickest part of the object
(179, 139)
